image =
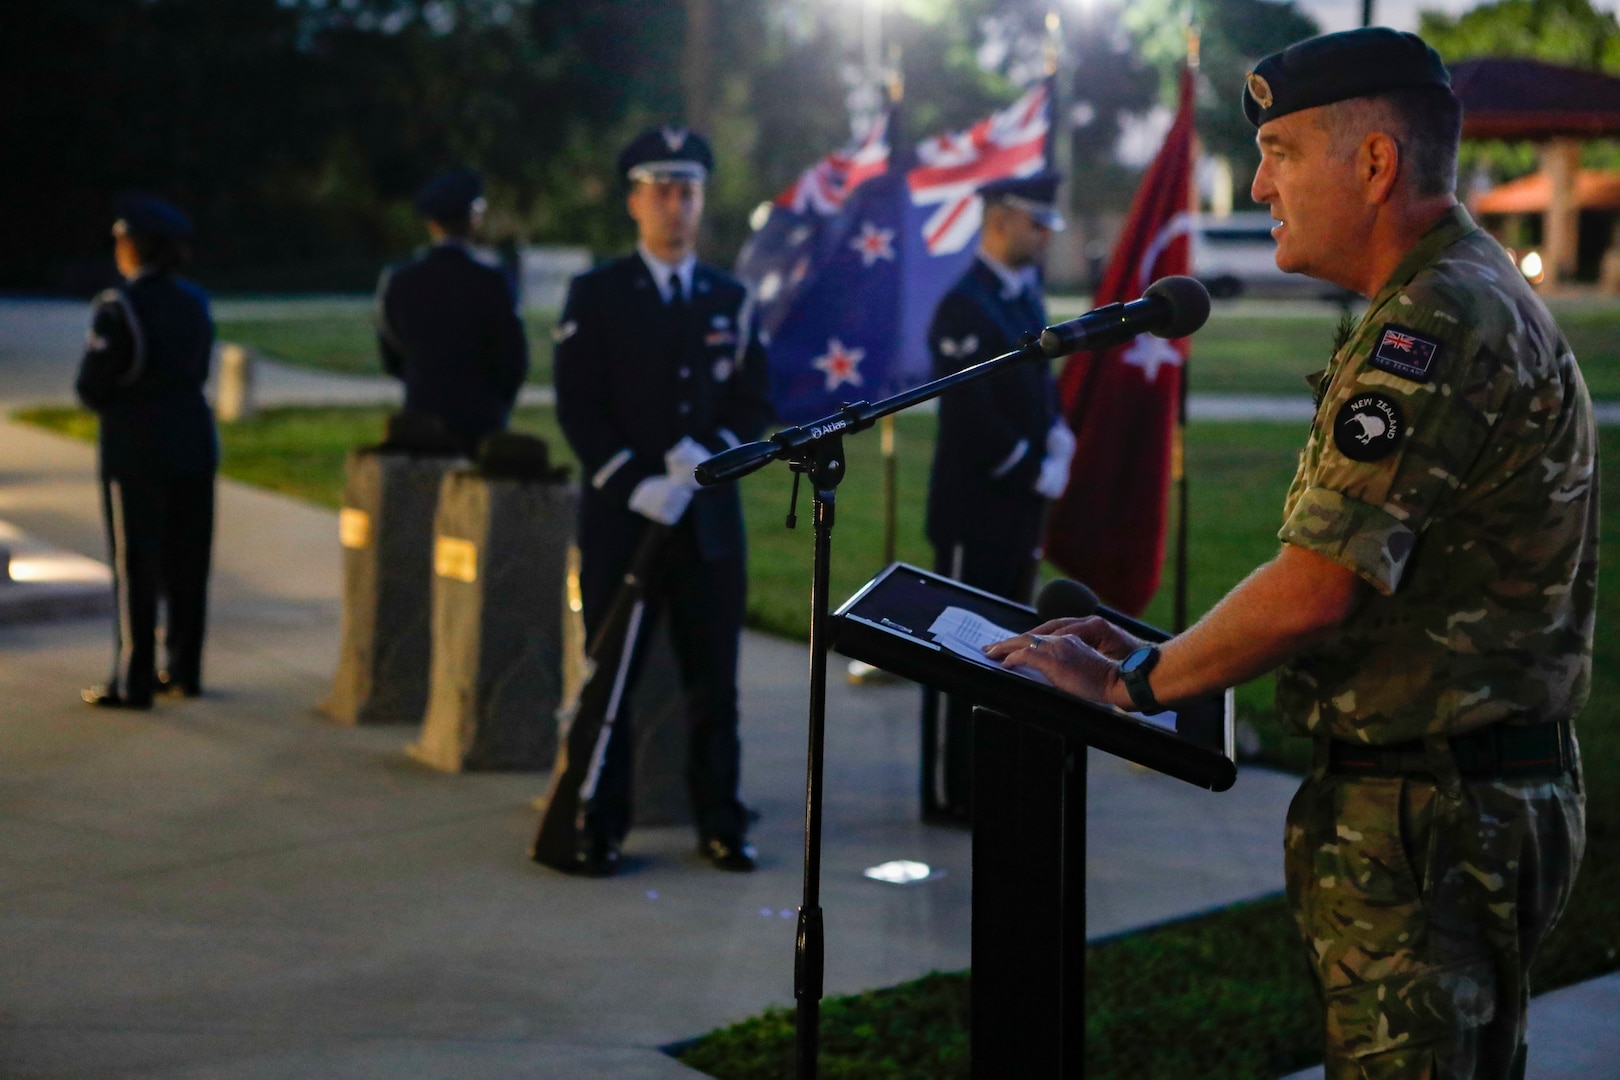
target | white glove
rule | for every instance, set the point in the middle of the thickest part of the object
(682, 458)
(1060, 440)
(1054, 476)
(661, 499)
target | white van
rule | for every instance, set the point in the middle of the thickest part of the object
(1235, 256)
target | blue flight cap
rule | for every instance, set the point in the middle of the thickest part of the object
(1035, 195)
(667, 153)
(1336, 67)
(150, 215)
(450, 196)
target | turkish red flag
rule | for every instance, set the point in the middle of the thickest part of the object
(1108, 528)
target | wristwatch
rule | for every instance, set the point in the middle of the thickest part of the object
(1133, 672)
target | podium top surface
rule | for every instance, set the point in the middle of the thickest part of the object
(921, 626)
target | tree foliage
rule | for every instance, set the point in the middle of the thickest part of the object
(1233, 36)
(296, 131)
(1569, 32)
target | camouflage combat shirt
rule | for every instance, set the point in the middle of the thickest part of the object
(1452, 465)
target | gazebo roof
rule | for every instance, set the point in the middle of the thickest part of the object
(1514, 98)
(1595, 189)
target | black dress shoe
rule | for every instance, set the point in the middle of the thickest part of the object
(103, 697)
(738, 856)
(169, 686)
(595, 857)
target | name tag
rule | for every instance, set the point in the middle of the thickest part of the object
(455, 559)
(354, 528)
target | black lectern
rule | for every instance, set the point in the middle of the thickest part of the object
(1029, 801)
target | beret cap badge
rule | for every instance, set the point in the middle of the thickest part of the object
(1260, 90)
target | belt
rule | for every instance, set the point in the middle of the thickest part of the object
(1493, 752)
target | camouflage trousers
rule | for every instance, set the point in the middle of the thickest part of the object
(1422, 901)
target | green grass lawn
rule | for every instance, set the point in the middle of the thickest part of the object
(1230, 985)
(1237, 352)
(346, 341)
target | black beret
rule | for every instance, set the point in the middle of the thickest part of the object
(1337, 67)
(1036, 195)
(450, 195)
(667, 152)
(149, 215)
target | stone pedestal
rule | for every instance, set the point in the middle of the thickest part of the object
(658, 711)
(386, 528)
(499, 607)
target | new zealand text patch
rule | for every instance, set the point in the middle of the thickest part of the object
(1405, 353)
(1368, 427)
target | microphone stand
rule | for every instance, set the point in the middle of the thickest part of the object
(817, 450)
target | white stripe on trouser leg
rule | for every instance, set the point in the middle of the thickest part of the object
(126, 637)
(942, 703)
(599, 752)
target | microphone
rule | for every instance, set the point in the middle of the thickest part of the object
(1172, 307)
(736, 462)
(1065, 599)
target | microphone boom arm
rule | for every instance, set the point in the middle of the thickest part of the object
(1171, 307)
(793, 442)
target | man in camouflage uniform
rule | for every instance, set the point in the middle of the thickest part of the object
(1432, 604)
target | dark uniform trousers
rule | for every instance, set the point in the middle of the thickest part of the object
(160, 532)
(704, 601)
(634, 376)
(143, 373)
(447, 326)
(984, 515)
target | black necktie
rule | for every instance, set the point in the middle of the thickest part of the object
(677, 298)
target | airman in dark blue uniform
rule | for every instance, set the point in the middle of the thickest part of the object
(658, 366)
(144, 366)
(1002, 450)
(447, 323)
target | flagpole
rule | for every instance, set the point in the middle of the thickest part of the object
(891, 467)
(859, 672)
(1178, 451)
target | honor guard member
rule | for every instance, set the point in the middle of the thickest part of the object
(447, 323)
(1432, 604)
(145, 363)
(1003, 449)
(659, 366)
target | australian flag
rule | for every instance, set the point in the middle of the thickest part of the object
(853, 258)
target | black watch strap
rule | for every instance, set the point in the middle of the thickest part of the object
(1134, 671)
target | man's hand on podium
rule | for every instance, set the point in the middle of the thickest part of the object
(1078, 655)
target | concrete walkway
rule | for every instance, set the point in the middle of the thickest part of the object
(232, 887)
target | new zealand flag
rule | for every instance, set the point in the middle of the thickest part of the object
(852, 259)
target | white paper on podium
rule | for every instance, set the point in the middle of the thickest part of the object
(966, 634)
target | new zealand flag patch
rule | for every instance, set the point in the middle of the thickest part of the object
(1405, 353)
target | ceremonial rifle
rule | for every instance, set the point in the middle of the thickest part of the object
(587, 723)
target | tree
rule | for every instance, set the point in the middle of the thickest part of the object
(1233, 36)
(296, 131)
(1569, 32)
